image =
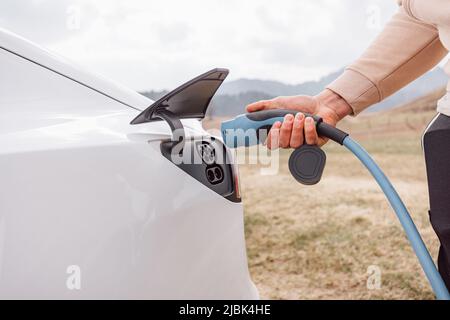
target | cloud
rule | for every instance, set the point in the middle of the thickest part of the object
(158, 44)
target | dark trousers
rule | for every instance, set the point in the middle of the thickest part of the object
(436, 144)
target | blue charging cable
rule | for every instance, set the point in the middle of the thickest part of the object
(238, 132)
(406, 221)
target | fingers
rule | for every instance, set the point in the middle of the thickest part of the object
(297, 131)
(280, 135)
(274, 136)
(311, 136)
(260, 105)
(285, 131)
(293, 132)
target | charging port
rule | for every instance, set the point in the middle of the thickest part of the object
(207, 161)
(214, 174)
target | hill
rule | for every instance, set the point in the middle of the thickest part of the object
(233, 96)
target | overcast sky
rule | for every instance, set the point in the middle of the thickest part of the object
(149, 44)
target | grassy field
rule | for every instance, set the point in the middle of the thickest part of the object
(317, 242)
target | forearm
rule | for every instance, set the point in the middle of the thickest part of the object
(404, 50)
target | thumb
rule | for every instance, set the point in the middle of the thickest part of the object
(260, 105)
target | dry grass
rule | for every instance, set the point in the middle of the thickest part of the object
(317, 242)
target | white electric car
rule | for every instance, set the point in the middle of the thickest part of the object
(92, 205)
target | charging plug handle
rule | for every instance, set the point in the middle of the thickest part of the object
(323, 129)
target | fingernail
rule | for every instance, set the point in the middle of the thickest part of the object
(298, 116)
(309, 119)
(289, 117)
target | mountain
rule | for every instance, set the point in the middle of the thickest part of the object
(275, 88)
(429, 82)
(154, 95)
(233, 96)
(425, 103)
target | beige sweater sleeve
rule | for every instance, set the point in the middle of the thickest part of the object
(404, 50)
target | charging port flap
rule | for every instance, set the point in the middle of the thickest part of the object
(190, 100)
(206, 160)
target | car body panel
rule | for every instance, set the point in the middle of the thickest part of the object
(82, 187)
(28, 50)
